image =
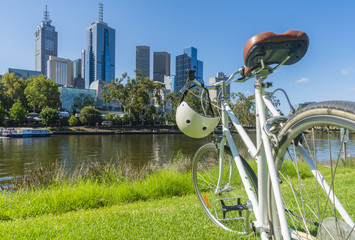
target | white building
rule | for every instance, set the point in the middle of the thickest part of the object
(60, 70)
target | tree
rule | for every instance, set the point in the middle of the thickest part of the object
(73, 121)
(147, 96)
(2, 114)
(172, 99)
(90, 116)
(115, 91)
(244, 108)
(138, 96)
(49, 116)
(82, 101)
(42, 92)
(11, 90)
(18, 113)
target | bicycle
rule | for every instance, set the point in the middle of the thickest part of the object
(294, 195)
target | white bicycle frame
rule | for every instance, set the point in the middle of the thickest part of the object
(262, 153)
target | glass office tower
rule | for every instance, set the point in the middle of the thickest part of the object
(143, 60)
(185, 61)
(99, 52)
(46, 43)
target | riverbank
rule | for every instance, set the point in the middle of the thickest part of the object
(165, 129)
(82, 130)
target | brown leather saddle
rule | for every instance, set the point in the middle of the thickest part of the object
(275, 48)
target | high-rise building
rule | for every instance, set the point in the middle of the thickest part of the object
(77, 68)
(186, 61)
(60, 70)
(46, 43)
(99, 52)
(214, 94)
(143, 60)
(161, 66)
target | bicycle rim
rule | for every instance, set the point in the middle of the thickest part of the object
(315, 176)
(226, 207)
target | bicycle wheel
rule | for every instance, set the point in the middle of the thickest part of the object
(225, 206)
(310, 157)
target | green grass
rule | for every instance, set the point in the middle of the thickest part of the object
(86, 194)
(168, 218)
(109, 203)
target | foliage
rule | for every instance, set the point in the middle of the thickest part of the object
(12, 90)
(139, 96)
(244, 108)
(90, 116)
(49, 116)
(18, 113)
(42, 92)
(2, 114)
(73, 121)
(82, 101)
(113, 118)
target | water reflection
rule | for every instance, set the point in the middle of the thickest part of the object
(17, 154)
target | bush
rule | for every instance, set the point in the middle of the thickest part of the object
(90, 116)
(113, 118)
(49, 116)
(73, 121)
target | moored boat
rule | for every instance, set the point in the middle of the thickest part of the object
(26, 132)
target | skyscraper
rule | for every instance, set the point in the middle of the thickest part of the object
(46, 43)
(143, 60)
(185, 61)
(161, 66)
(99, 52)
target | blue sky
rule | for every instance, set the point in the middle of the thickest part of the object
(218, 29)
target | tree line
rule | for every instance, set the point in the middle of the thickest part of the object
(144, 102)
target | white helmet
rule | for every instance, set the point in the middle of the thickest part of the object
(192, 123)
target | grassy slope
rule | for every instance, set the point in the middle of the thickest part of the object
(119, 209)
(168, 218)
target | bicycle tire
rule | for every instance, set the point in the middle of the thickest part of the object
(205, 176)
(308, 207)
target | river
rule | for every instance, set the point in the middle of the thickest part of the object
(16, 155)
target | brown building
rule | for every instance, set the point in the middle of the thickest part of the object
(161, 66)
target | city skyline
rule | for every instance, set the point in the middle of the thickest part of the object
(218, 31)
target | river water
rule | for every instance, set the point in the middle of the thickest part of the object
(16, 155)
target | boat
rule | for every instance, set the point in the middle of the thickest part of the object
(26, 132)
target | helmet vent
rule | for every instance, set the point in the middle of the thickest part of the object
(204, 128)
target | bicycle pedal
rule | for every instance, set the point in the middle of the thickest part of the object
(231, 206)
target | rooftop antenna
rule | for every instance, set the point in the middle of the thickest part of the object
(101, 14)
(46, 16)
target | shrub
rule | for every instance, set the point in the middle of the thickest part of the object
(73, 121)
(49, 116)
(90, 116)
